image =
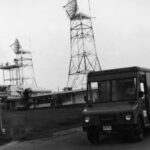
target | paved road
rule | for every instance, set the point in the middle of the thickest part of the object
(78, 141)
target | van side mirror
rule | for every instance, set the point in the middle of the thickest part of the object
(85, 99)
(141, 94)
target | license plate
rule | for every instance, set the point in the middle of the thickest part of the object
(107, 128)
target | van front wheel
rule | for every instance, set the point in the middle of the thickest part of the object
(139, 133)
(93, 136)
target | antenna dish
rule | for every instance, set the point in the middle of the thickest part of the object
(16, 46)
(71, 8)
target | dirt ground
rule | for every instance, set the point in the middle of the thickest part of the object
(78, 141)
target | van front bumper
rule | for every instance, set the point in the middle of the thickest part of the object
(110, 129)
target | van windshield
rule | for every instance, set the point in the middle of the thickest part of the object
(112, 90)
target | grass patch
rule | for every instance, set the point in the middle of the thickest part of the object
(36, 123)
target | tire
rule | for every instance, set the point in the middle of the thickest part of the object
(93, 136)
(139, 133)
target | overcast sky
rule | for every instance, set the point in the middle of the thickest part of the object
(121, 27)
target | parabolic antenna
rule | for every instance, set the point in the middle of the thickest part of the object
(16, 46)
(71, 8)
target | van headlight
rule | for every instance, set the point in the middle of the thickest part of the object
(85, 110)
(128, 117)
(87, 119)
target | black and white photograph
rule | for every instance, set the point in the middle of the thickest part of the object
(74, 74)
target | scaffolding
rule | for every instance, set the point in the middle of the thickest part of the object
(20, 73)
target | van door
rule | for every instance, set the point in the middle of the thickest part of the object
(147, 92)
(143, 94)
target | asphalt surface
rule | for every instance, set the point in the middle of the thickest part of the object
(77, 140)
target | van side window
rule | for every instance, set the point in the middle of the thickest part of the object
(142, 90)
(142, 87)
(94, 88)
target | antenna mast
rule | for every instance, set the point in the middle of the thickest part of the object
(82, 46)
(89, 7)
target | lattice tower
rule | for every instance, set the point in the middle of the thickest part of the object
(83, 55)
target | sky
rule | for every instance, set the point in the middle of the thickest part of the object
(121, 29)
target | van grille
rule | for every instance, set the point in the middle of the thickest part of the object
(105, 118)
